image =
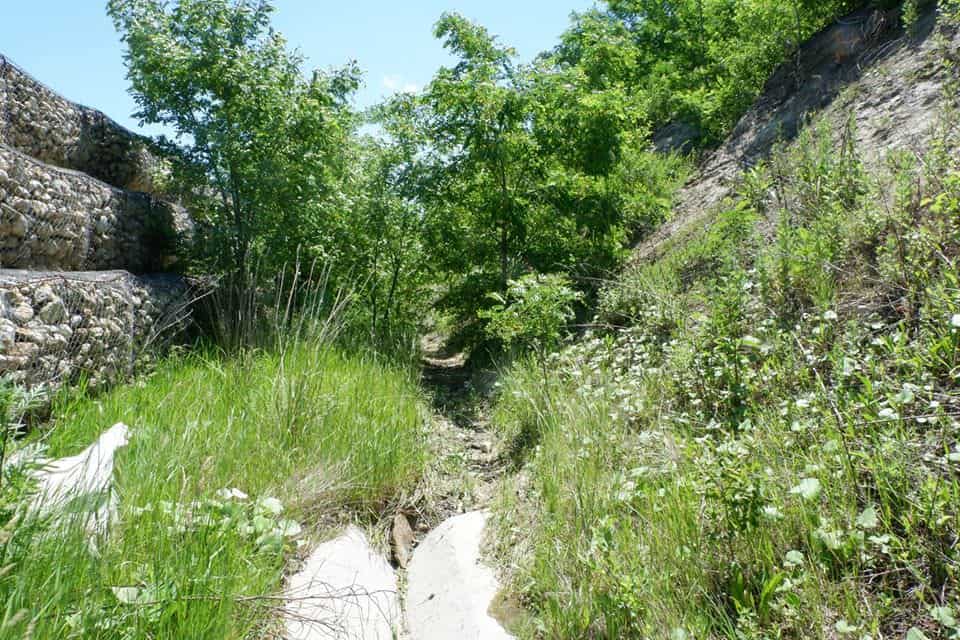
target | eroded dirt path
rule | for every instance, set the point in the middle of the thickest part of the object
(470, 465)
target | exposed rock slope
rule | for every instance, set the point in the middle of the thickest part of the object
(865, 67)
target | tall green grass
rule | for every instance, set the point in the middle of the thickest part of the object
(325, 434)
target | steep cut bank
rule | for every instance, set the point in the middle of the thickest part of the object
(867, 67)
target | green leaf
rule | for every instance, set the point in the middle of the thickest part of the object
(915, 634)
(262, 524)
(272, 505)
(126, 595)
(905, 396)
(288, 528)
(844, 628)
(868, 519)
(944, 616)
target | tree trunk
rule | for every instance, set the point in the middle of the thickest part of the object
(504, 256)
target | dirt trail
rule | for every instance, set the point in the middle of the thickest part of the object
(471, 466)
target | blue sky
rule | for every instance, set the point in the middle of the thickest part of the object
(71, 46)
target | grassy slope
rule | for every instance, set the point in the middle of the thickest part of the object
(771, 449)
(312, 428)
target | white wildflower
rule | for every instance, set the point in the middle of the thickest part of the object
(232, 494)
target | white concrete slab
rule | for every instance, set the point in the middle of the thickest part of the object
(449, 591)
(87, 476)
(346, 591)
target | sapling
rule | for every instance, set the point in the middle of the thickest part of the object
(533, 314)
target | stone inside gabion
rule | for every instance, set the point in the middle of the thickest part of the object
(50, 128)
(57, 328)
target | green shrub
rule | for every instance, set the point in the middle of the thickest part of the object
(534, 313)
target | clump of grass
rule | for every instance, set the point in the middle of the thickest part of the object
(295, 430)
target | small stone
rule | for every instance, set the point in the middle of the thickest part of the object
(22, 313)
(32, 334)
(11, 363)
(15, 297)
(103, 225)
(18, 226)
(8, 335)
(53, 312)
(484, 446)
(401, 540)
(23, 205)
(24, 350)
(44, 293)
(63, 330)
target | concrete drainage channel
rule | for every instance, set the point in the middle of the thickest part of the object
(348, 591)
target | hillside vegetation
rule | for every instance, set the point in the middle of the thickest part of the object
(496, 169)
(767, 445)
(727, 328)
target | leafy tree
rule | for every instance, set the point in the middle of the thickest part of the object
(516, 165)
(388, 230)
(488, 159)
(698, 61)
(265, 138)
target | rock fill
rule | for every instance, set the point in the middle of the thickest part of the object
(75, 224)
(57, 327)
(52, 218)
(39, 123)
